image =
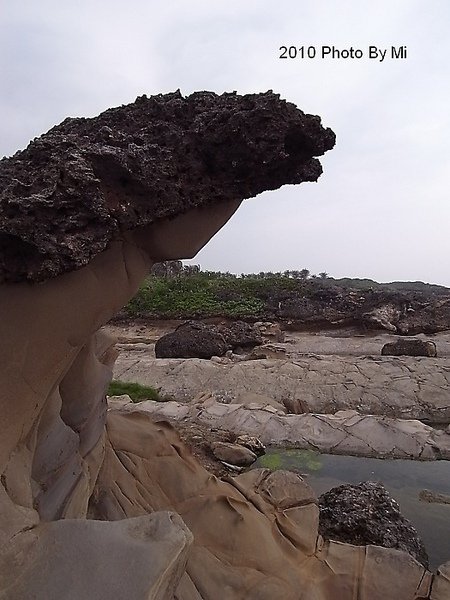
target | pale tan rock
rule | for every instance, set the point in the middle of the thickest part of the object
(233, 454)
(251, 540)
(270, 331)
(141, 559)
(441, 583)
(63, 458)
(55, 368)
(402, 387)
(248, 398)
(345, 432)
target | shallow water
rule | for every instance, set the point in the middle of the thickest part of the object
(403, 478)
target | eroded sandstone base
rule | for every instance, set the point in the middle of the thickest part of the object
(255, 535)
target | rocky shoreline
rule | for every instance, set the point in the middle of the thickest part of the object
(306, 373)
(345, 432)
(104, 503)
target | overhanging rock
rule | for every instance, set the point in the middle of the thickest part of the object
(87, 181)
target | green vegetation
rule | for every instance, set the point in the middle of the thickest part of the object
(198, 295)
(298, 460)
(136, 391)
(270, 461)
(174, 291)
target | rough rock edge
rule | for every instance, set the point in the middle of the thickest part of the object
(82, 184)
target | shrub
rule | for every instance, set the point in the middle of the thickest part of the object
(136, 391)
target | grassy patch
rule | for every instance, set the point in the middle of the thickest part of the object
(136, 391)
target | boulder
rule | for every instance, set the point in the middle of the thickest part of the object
(434, 497)
(191, 340)
(269, 331)
(252, 443)
(382, 317)
(240, 335)
(409, 347)
(233, 454)
(365, 514)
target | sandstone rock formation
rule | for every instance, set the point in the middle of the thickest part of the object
(409, 347)
(255, 535)
(85, 211)
(345, 432)
(233, 454)
(404, 387)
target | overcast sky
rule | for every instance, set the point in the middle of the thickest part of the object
(380, 209)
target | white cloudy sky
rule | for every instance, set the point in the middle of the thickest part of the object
(380, 209)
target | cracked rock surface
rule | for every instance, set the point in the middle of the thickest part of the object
(346, 432)
(255, 535)
(407, 388)
(90, 499)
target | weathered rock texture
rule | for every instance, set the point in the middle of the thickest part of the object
(86, 210)
(233, 454)
(366, 514)
(74, 559)
(403, 312)
(408, 388)
(195, 339)
(86, 181)
(191, 340)
(241, 334)
(409, 347)
(255, 535)
(345, 432)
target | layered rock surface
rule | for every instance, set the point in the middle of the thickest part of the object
(255, 535)
(408, 388)
(345, 432)
(85, 210)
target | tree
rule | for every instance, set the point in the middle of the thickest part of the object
(167, 268)
(304, 274)
(323, 275)
(190, 269)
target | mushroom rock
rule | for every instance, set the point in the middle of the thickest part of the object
(87, 182)
(85, 210)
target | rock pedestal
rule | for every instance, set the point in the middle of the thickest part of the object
(85, 210)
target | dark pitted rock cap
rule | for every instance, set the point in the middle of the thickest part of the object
(366, 514)
(77, 187)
